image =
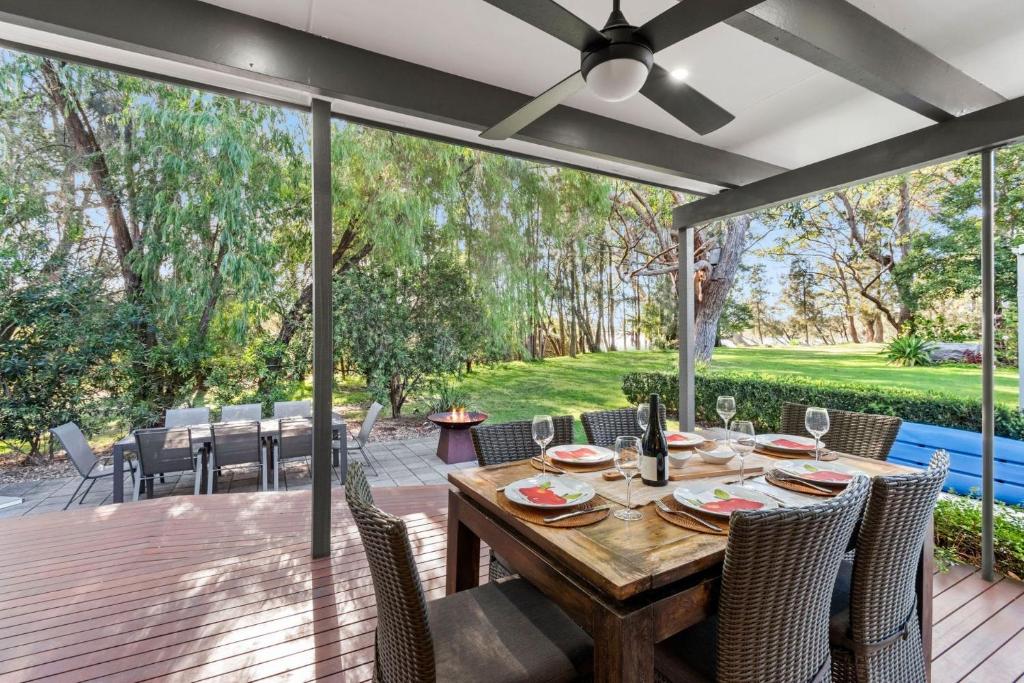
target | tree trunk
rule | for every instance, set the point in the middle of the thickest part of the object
(611, 305)
(715, 290)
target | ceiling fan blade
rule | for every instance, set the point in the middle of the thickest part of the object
(554, 20)
(688, 18)
(684, 102)
(535, 108)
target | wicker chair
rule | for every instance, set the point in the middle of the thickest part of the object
(863, 434)
(602, 428)
(874, 630)
(499, 632)
(772, 621)
(508, 442)
(511, 441)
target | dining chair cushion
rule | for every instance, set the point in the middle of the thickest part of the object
(504, 632)
(839, 612)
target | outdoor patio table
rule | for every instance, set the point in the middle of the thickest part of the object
(202, 433)
(629, 585)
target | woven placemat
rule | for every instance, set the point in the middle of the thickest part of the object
(569, 469)
(537, 516)
(687, 523)
(826, 455)
(797, 487)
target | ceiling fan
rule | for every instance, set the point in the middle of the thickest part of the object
(617, 62)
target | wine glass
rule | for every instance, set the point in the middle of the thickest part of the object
(643, 416)
(627, 462)
(543, 433)
(744, 443)
(816, 422)
(726, 408)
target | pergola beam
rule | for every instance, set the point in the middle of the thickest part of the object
(994, 126)
(200, 34)
(849, 42)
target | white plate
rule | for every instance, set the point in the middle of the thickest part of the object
(580, 454)
(696, 497)
(719, 455)
(548, 492)
(816, 472)
(683, 439)
(790, 443)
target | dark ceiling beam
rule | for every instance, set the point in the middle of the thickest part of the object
(200, 34)
(849, 42)
(995, 126)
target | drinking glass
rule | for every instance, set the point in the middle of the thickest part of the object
(643, 416)
(726, 409)
(744, 442)
(816, 423)
(543, 433)
(627, 462)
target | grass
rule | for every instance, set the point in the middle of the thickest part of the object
(517, 391)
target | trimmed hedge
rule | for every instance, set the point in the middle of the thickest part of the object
(760, 398)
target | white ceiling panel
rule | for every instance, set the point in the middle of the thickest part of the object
(982, 38)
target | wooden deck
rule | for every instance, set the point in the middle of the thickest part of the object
(222, 587)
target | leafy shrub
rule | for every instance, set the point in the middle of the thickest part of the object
(760, 399)
(971, 357)
(447, 397)
(909, 351)
(958, 534)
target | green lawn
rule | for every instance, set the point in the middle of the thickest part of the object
(516, 391)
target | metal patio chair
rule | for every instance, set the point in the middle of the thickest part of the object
(294, 441)
(508, 442)
(773, 610)
(501, 632)
(163, 450)
(863, 434)
(245, 412)
(603, 427)
(186, 417)
(359, 441)
(88, 465)
(875, 633)
(236, 443)
(293, 409)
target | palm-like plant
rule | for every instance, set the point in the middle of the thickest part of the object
(908, 351)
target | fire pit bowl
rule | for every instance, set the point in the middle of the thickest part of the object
(455, 444)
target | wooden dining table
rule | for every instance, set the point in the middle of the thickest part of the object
(629, 585)
(202, 434)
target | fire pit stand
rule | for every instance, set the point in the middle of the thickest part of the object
(455, 443)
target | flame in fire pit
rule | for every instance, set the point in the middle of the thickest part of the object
(459, 414)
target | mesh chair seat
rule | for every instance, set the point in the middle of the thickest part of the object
(863, 434)
(500, 633)
(604, 426)
(777, 577)
(510, 631)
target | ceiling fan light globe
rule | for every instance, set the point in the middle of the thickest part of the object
(617, 79)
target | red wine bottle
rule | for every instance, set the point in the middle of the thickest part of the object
(654, 459)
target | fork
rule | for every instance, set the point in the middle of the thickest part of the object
(665, 508)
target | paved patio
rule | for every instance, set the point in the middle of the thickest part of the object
(390, 463)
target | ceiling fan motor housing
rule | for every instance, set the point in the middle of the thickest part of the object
(616, 70)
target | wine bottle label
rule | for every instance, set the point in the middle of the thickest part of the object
(648, 468)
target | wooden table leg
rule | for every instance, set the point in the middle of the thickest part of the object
(624, 647)
(463, 570)
(925, 576)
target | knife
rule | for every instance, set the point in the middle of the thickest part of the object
(796, 480)
(567, 515)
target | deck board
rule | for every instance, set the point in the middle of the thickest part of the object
(222, 588)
